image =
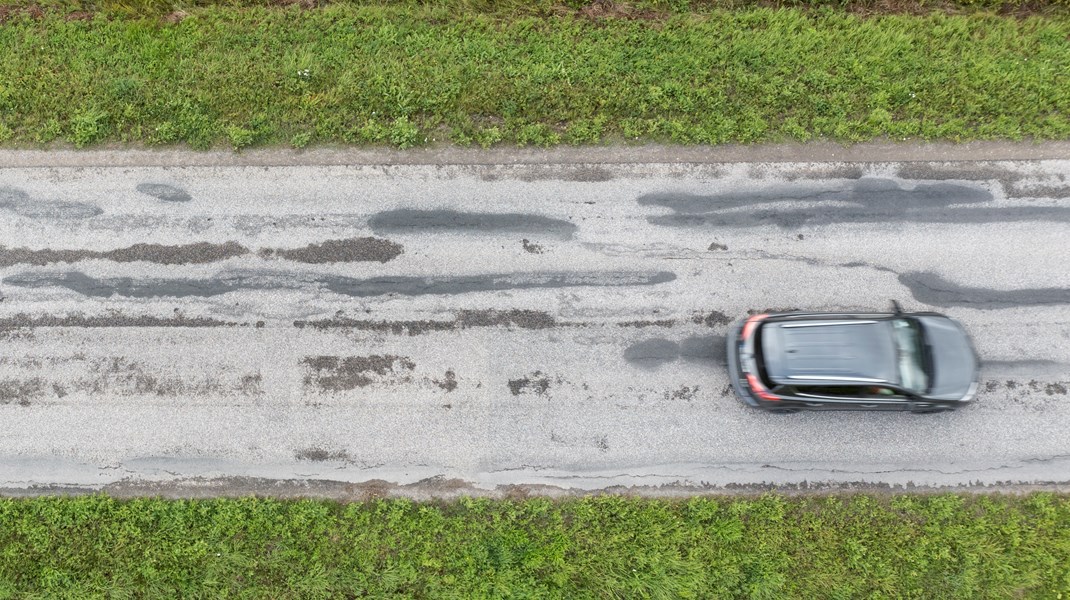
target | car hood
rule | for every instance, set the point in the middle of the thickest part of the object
(954, 361)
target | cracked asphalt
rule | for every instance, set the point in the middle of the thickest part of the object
(168, 326)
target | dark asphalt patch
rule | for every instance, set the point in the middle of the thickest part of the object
(342, 373)
(867, 200)
(652, 353)
(448, 221)
(199, 253)
(18, 202)
(347, 286)
(655, 352)
(363, 249)
(937, 291)
(165, 192)
(1007, 178)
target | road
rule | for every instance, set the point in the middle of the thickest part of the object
(428, 329)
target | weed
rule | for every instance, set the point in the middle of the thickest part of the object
(398, 74)
(895, 546)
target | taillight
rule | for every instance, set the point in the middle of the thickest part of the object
(759, 389)
(751, 325)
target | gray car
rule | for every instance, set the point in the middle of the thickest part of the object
(786, 362)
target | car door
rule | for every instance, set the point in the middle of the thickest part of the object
(855, 397)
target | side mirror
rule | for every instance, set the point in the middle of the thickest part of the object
(896, 308)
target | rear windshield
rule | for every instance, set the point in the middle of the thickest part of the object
(910, 352)
(759, 357)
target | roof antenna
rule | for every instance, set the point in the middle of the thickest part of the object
(896, 308)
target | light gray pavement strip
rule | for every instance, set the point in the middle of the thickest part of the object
(553, 325)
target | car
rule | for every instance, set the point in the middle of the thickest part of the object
(785, 362)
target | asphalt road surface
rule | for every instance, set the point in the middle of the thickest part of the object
(473, 328)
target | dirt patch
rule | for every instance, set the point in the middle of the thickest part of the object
(199, 253)
(20, 391)
(814, 171)
(684, 393)
(774, 310)
(240, 280)
(112, 320)
(363, 249)
(396, 327)
(531, 248)
(712, 319)
(449, 383)
(537, 383)
(641, 324)
(315, 454)
(252, 384)
(342, 373)
(610, 9)
(1055, 388)
(175, 17)
(119, 375)
(524, 319)
(716, 246)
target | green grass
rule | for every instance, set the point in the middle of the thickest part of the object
(543, 8)
(902, 546)
(409, 76)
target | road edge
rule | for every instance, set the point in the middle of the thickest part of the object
(454, 155)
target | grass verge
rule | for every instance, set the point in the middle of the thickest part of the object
(408, 76)
(898, 546)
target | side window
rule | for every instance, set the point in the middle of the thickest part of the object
(880, 391)
(839, 391)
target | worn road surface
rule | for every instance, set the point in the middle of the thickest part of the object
(485, 328)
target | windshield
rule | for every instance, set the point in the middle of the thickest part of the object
(910, 350)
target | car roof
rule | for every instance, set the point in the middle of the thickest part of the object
(830, 350)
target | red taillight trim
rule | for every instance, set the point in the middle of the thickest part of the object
(759, 389)
(751, 325)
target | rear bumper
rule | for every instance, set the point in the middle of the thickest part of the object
(735, 373)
